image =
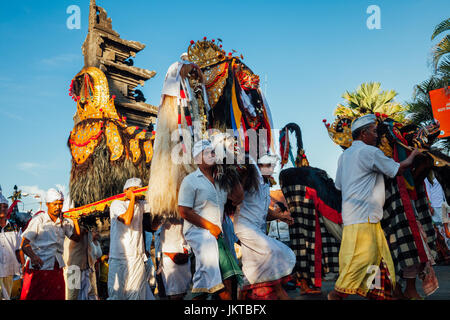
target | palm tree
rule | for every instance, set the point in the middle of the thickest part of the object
(420, 111)
(441, 52)
(368, 98)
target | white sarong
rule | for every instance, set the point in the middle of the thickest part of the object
(128, 280)
(263, 258)
(207, 277)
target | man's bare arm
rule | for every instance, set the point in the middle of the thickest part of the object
(407, 162)
(278, 214)
(127, 217)
(237, 195)
(76, 236)
(36, 262)
(189, 214)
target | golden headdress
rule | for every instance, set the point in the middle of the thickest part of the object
(90, 90)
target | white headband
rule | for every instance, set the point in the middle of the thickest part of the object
(201, 146)
(363, 121)
(184, 56)
(54, 195)
(268, 159)
(133, 182)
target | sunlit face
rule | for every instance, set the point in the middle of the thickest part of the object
(370, 135)
(55, 208)
(209, 157)
(266, 169)
(3, 210)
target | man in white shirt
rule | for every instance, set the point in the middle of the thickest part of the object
(43, 243)
(437, 197)
(9, 250)
(201, 204)
(127, 277)
(360, 178)
(438, 204)
(80, 270)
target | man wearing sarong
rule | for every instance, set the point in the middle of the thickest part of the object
(43, 243)
(80, 270)
(364, 253)
(175, 266)
(266, 262)
(9, 250)
(127, 276)
(201, 203)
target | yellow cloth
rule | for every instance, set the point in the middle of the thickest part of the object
(104, 269)
(363, 247)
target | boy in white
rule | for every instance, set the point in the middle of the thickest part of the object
(127, 277)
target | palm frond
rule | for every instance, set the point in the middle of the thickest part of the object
(441, 27)
(441, 49)
(443, 68)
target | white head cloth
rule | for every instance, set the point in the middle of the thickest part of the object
(201, 146)
(362, 121)
(133, 182)
(184, 56)
(268, 159)
(3, 200)
(54, 195)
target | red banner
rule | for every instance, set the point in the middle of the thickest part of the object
(440, 102)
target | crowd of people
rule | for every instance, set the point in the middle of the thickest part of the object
(60, 260)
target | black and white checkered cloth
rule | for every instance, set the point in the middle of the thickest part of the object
(303, 235)
(397, 229)
(394, 223)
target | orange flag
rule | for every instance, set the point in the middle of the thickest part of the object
(440, 102)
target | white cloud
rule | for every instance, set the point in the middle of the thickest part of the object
(11, 115)
(33, 191)
(33, 199)
(61, 59)
(34, 195)
(25, 166)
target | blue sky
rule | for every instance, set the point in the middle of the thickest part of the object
(310, 51)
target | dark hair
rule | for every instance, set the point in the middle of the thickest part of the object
(357, 133)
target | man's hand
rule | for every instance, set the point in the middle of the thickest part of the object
(215, 231)
(407, 162)
(286, 217)
(37, 262)
(415, 153)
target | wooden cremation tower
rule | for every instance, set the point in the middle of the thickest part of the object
(104, 49)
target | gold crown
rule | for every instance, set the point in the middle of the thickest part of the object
(89, 88)
(205, 53)
(340, 131)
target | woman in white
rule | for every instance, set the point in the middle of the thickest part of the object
(266, 262)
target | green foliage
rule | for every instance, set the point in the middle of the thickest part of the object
(441, 50)
(420, 111)
(369, 98)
